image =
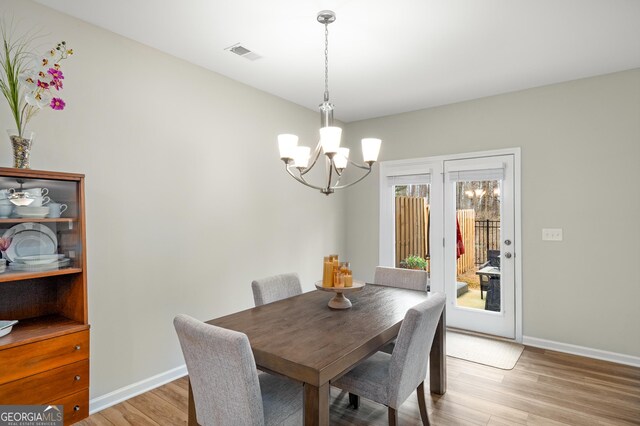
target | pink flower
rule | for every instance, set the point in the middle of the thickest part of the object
(5, 243)
(43, 85)
(57, 104)
(57, 84)
(56, 74)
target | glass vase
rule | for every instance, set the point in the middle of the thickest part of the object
(21, 148)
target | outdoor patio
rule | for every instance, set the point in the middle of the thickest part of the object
(471, 297)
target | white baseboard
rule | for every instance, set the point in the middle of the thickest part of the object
(631, 360)
(134, 389)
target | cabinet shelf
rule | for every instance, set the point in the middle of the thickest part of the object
(40, 328)
(20, 275)
(44, 220)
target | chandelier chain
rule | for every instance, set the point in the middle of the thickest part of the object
(326, 62)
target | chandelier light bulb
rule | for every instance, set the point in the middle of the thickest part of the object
(330, 139)
(20, 199)
(287, 144)
(370, 149)
(341, 159)
(301, 157)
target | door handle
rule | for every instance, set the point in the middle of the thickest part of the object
(507, 255)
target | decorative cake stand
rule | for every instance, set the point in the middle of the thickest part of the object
(339, 301)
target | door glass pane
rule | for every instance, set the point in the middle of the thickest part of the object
(412, 226)
(478, 213)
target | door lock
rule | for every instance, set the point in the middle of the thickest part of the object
(507, 242)
(507, 255)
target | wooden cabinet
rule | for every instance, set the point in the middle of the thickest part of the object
(45, 359)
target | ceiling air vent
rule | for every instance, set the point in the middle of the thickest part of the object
(243, 51)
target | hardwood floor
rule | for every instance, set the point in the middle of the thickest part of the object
(544, 388)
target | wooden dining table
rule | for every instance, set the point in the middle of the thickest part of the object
(302, 338)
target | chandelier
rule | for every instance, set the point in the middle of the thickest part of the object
(296, 158)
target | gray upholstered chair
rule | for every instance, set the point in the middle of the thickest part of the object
(277, 287)
(227, 389)
(402, 278)
(390, 379)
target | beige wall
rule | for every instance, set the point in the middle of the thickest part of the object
(187, 201)
(580, 171)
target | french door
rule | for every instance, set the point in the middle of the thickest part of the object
(479, 244)
(460, 213)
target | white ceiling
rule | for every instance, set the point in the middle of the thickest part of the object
(385, 57)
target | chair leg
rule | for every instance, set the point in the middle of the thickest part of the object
(393, 417)
(354, 400)
(422, 404)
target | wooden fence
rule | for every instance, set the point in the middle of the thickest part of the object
(412, 232)
(412, 225)
(467, 221)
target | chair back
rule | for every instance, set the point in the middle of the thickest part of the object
(277, 287)
(493, 258)
(411, 279)
(222, 372)
(408, 366)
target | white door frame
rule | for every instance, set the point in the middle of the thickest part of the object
(434, 166)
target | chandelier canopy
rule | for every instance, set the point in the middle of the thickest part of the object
(336, 158)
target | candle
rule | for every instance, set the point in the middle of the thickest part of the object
(327, 272)
(348, 279)
(346, 272)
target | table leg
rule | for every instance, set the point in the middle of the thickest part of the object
(192, 408)
(438, 358)
(316, 405)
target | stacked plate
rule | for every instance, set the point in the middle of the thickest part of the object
(30, 239)
(6, 326)
(41, 262)
(33, 248)
(39, 259)
(32, 212)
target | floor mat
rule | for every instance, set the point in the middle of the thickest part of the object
(483, 350)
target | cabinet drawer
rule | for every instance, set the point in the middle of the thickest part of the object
(21, 361)
(42, 388)
(76, 406)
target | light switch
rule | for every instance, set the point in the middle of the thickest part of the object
(552, 234)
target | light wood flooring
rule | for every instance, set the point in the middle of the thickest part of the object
(544, 388)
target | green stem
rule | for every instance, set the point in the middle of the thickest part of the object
(22, 120)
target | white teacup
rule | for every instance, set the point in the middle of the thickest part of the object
(56, 209)
(36, 192)
(39, 201)
(5, 210)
